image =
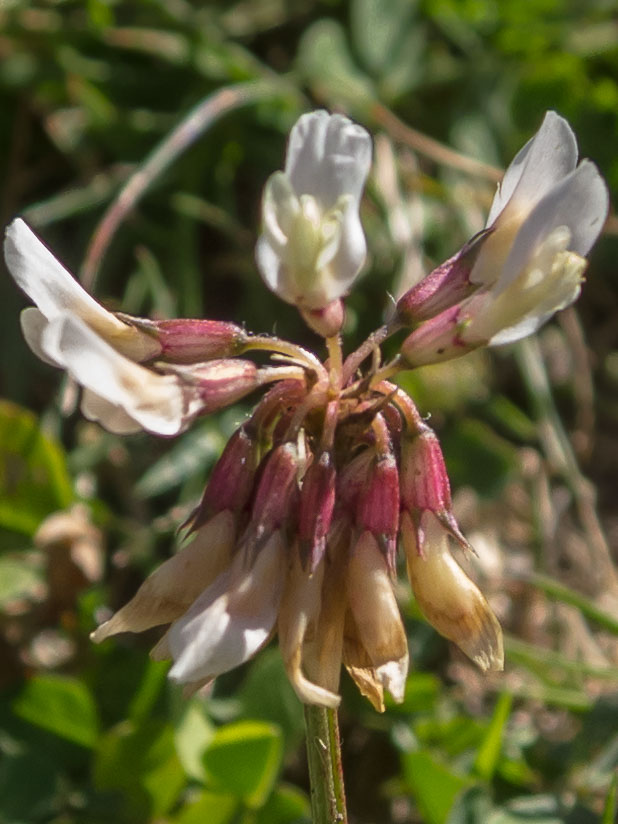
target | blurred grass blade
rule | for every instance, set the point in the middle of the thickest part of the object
(489, 751)
(568, 596)
(610, 811)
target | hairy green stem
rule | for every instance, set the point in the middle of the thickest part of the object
(325, 770)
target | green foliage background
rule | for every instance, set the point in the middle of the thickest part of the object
(87, 90)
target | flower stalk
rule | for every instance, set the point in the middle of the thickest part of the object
(328, 804)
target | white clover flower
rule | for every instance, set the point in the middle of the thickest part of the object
(312, 245)
(529, 262)
(545, 217)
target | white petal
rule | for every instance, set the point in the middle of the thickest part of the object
(273, 270)
(544, 160)
(33, 324)
(350, 256)
(56, 292)
(328, 156)
(580, 201)
(156, 402)
(109, 415)
(232, 619)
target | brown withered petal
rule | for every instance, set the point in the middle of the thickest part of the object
(298, 617)
(171, 589)
(450, 601)
(358, 663)
(374, 608)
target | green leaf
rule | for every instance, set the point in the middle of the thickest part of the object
(213, 808)
(193, 734)
(61, 705)
(324, 59)
(433, 786)
(34, 481)
(142, 762)
(286, 805)
(244, 759)
(489, 751)
(267, 695)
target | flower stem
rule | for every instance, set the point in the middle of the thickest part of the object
(325, 771)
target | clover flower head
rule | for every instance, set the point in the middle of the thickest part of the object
(335, 470)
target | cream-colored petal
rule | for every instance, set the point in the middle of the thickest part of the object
(232, 619)
(449, 600)
(298, 616)
(158, 403)
(171, 589)
(323, 650)
(56, 292)
(373, 605)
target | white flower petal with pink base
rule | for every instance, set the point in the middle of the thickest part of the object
(156, 402)
(56, 292)
(232, 619)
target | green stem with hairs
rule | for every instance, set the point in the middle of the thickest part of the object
(325, 771)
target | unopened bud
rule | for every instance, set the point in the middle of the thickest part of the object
(327, 321)
(317, 501)
(276, 487)
(425, 484)
(443, 288)
(437, 340)
(219, 383)
(231, 480)
(352, 478)
(378, 506)
(188, 340)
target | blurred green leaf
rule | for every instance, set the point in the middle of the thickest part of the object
(34, 481)
(489, 751)
(266, 694)
(141, 762)
(286, 805)
(61, 705)
(433, 786)
(244, 759)
(193, 734)
(324, 59)
(210, 808)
